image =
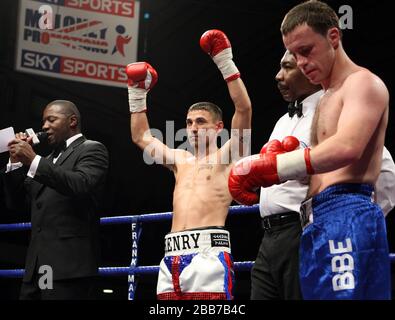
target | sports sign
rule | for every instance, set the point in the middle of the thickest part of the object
(87, 40)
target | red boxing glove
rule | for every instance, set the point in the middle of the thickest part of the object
(250, 173)
(289, 143)
(217, 45)
(141, 78)
(275, 164)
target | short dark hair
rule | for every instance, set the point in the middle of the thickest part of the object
(214, 110)
(68, 108)
(316, 14)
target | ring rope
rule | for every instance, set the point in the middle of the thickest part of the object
(121, 271)
(149, 217)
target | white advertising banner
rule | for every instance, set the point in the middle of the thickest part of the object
(81, 40)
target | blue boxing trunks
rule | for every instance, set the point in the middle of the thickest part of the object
(197, 266)
(344, 249)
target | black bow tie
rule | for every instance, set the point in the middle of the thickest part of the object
(59, 149)
(295, 107)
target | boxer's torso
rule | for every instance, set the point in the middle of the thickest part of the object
(326, 120)
(201, 196)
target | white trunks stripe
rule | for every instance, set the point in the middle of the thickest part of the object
(196, 241)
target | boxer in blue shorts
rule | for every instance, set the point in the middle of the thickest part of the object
(344, 252)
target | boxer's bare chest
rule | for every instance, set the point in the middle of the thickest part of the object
(327, 115)
(201, 174)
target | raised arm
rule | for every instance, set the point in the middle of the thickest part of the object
(241, 121)
(218, 46)
(141, 78)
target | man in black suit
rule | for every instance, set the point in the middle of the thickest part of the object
(63, 192)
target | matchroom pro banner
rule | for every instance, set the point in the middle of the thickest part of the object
(88, 40)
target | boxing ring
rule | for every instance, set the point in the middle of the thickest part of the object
(136, 223)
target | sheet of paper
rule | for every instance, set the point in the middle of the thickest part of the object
(6, 135)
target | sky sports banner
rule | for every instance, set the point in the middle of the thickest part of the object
(81, 40)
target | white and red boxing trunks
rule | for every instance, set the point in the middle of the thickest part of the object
(197, 266)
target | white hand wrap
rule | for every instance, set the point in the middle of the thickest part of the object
(291, 165)
(137, 99)
(225, 64)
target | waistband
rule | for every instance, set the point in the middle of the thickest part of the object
(363, 189)
(197, 240)
(306, 209)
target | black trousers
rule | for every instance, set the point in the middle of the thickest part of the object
(68, 289)
(275, 274)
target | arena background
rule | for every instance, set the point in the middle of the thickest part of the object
(169, 40)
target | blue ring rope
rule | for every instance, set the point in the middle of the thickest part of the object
(121, 271)
(150, 217)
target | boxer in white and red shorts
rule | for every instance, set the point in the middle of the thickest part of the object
(197, 266)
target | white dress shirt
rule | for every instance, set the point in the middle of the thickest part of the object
(289, 195)
(34, 165)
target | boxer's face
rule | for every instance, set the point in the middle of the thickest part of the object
(56, 124)
(313, 52)
(202, 129)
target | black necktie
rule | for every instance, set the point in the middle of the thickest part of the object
(295, 107)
